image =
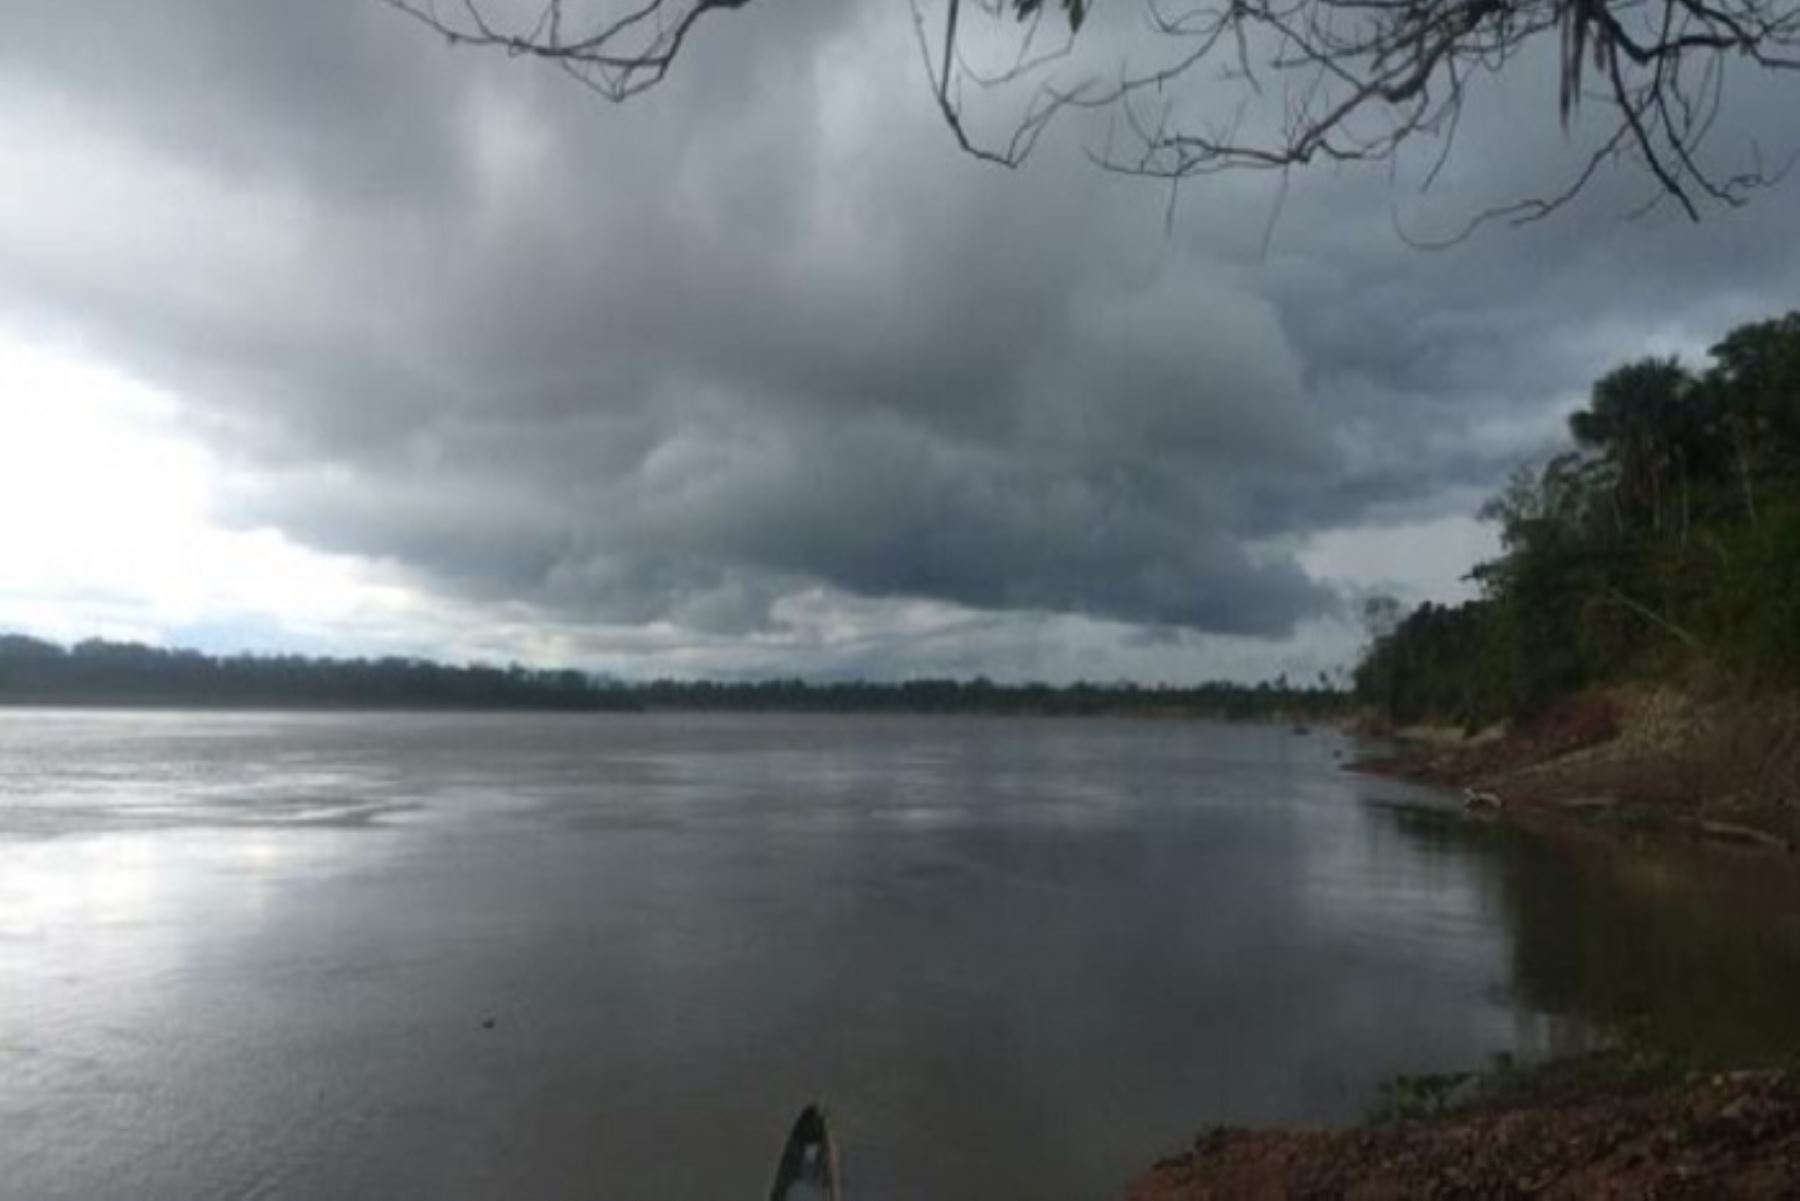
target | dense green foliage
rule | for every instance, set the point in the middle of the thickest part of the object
(34, 672)
(1666, 540)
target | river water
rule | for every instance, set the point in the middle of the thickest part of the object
(429, 956)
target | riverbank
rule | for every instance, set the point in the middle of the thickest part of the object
(1651, 784)
(1636, 764)
(1598, 1127)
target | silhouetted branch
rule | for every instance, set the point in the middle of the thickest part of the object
(1321, 80)
(617, 57)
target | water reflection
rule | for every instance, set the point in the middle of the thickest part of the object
(107, 881)
(1018, 958)
(1694, 951)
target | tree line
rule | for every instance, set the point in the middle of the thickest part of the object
(1663, 544)
(1271, 699)
(101, 672)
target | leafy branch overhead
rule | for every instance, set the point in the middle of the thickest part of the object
(1190, 87)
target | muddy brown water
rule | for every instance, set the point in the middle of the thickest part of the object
(394, 956)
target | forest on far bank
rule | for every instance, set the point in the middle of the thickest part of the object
(97, 672)
(1663, 546)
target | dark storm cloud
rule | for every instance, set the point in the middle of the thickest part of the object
(764, 330)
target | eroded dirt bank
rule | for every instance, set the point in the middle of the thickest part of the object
(1735, 1135)
(1639, 763)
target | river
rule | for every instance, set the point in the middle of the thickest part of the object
(468, 956)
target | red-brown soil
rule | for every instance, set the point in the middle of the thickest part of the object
(1713, 1136)
(1639, 762)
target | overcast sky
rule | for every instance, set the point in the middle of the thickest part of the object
(317, 334)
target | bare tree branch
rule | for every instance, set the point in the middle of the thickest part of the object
(1317, 80)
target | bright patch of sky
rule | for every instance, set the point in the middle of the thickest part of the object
(109, 523)
(108, 531)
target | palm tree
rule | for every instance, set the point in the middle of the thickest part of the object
(1642, 418)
